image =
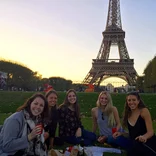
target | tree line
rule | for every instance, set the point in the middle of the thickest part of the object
(20, 77)
(147, 82)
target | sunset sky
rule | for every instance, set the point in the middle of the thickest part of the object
(61, 37)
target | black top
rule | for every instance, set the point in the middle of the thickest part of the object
(68, 122)
(138, 129)
(53, 120)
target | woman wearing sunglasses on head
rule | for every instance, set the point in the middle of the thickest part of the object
(105, 117)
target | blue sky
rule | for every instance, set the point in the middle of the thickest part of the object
(61, 37)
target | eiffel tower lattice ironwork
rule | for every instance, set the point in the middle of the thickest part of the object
(102, 66)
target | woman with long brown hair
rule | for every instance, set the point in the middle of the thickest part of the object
(70, 126)
(23, 132)
(52, 98)
(138, 120)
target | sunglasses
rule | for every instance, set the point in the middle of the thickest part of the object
(102, 116)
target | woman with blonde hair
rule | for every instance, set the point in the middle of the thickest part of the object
(105, 117)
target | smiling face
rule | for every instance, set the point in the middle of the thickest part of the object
(72, 98)
(52, 99)
(132, 102)
(103, 100)
(37, 106)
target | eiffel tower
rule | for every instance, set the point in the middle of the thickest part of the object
(102, 66)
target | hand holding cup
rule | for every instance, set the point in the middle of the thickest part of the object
(37, 130)
(114, 129)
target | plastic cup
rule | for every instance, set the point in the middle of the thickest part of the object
(114, 129)
(41, 128)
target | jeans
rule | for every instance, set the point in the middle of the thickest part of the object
(87, 138)
(120, 141)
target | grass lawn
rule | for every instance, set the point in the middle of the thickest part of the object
(3, 116)
(10, 101)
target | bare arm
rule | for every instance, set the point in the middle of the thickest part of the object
(94, 119)
(51, 143)
(117, 119)
(78, 132)
(145, 114)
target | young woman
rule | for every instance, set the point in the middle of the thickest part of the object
(22, 132)
(105, 117)
(138, 120)
(52, 97)
(70, 127)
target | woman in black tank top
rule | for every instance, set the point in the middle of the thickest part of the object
(138, 120)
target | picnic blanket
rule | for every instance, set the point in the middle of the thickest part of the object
(89, 151)
(98, 151)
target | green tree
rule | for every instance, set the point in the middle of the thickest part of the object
(19, 76)
(140, 83)
(150, 76)
(60, 84)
